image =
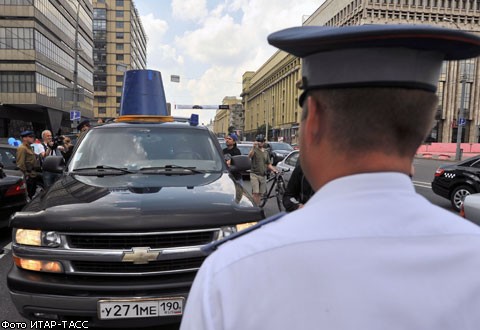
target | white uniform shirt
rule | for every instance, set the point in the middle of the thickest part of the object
(366, 252)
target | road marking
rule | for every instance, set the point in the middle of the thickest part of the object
(422, 184)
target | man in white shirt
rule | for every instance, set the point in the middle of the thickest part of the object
(366, 251)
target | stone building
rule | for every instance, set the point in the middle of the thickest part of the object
(270, 96)
(233, 117)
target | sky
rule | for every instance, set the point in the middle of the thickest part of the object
(210, 44)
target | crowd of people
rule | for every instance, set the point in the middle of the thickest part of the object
(32, 153)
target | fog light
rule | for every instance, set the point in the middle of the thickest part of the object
(38, 265)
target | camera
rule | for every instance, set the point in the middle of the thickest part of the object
(57, 141)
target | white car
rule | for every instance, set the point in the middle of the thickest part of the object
(470, 208)
(288, 163)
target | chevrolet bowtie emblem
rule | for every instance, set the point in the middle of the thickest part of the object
(140, 255)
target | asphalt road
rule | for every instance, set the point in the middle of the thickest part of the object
(424, 173)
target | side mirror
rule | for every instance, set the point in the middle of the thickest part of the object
(240, 163)
(54, 164)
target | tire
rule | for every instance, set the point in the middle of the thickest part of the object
(458, 195)
(279, 194)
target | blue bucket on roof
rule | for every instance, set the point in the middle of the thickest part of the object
(143, 94)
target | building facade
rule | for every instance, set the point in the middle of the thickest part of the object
(270, 95)
(120, 44)
(38, 57)
(232, 118)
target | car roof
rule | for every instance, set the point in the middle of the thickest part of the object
(4, 145)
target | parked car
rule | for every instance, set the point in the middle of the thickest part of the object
(456, 181)
(288, 163)
(13, 194)
(278, 151)
(470, 208)
(7, 156)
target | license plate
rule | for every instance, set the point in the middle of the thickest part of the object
(133, 308)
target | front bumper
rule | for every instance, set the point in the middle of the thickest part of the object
(75, 298)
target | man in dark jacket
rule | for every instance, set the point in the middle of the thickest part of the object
(298, 190)
(232, 150)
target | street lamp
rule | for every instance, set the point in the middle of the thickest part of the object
(461, 115)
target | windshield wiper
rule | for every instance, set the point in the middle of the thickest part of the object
(104, 167)
(168, 168)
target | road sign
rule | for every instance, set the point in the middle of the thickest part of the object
(75, 115)
(462, 121)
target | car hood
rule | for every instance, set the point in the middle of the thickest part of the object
(138, 201)
(282, 152)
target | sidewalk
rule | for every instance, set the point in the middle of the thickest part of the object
(447, 151)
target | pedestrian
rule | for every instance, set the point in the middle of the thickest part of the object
(67, 148)
(50, 148)
(298, 190)
(366, 251)
(231, 150)
(27, 162)
(83, 127)
(260, 164)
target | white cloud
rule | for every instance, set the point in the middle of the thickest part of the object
(189, 10)
(228, 40)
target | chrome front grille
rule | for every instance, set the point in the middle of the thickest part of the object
(164, 266)
(154, 241)
(126, 254)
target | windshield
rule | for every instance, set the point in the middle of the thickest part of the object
(281, 146)
(141, 148)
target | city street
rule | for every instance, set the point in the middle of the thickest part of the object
(424, 171)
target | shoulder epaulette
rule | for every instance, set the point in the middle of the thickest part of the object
(211, 247)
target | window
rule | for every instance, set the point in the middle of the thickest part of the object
(119, 46)
(119, 3)
(119, 24)
(119, 89)
(119, 13)
(120, 78)
(119, 57)
(119, 35)
(101, 99)
(119, 99)
(102, 110)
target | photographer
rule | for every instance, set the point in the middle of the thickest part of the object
(52, 147)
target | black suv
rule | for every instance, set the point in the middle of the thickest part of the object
(455, 181)
(117, 240)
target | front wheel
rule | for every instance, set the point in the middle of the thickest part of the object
(279, 194)
(458, 195)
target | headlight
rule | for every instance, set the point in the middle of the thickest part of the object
(229, 230)
(38, 265)
(37, 237)
(245, 225)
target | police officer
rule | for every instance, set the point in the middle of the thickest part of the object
(366, 251)
(27, 162)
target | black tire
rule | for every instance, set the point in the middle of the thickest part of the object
(280, 190)
(458, 195)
